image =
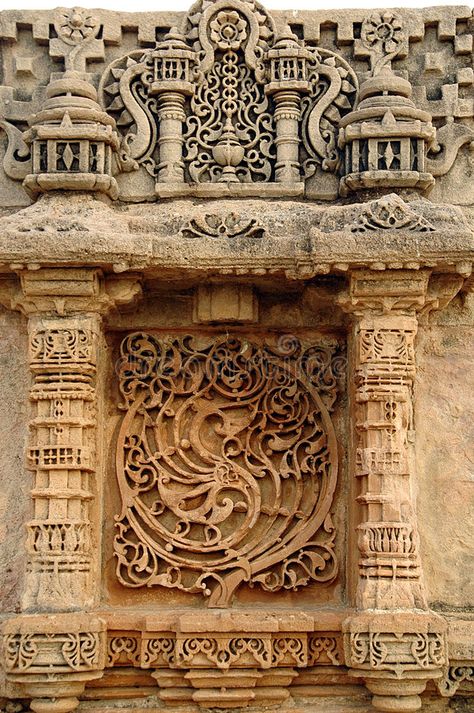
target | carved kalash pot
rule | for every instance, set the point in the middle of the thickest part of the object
(385, 140)
(73, 140)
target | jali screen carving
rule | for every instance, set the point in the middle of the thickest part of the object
(226, 463)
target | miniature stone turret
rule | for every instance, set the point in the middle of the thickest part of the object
(73, 140)
(172, 83)
(385, 140)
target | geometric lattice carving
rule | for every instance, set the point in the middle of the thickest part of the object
(226, 463)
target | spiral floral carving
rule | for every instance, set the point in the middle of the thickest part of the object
(226, 462)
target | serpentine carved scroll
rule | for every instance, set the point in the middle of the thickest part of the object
(226, 464)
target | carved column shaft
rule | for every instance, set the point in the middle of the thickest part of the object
(287, 118)
(389, 569)
(61, 547)
(171, 117)
(384, 330)
(397, 641)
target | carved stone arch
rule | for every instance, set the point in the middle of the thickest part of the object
(257, 41)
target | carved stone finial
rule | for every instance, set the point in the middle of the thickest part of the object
(383, 36)
(77, 30)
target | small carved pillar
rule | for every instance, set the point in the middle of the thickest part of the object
(397, 648)
(289, 80)
(65, 308)
(172, 63)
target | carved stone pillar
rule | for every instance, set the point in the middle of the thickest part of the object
(52, 656)
(63, 363)
(287, 118)
(289, 80)
(171, 117)
(397, 648)
(65, 308)
(172, 62)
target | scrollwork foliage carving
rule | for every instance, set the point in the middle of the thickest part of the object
(32, 652)
(226, 463)
(333, 93)
(230, 130)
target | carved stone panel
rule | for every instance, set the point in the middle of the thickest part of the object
(226, 464)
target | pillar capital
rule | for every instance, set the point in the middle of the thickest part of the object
(398, 292)
(68, 291)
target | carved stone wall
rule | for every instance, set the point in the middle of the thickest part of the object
(236, 250)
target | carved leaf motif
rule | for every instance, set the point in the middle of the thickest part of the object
(20, 651)
(333, 93)
(231, 225)
(390, 213)
(226, 462)
(324, 647)
(454, 677)
(81, 650)
(128, 646)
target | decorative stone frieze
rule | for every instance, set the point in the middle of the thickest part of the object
(236, 409)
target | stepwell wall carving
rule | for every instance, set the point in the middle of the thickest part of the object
(236, 249)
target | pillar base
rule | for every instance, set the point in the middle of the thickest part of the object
(395, 654)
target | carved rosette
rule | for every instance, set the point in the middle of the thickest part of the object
(227, 464)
